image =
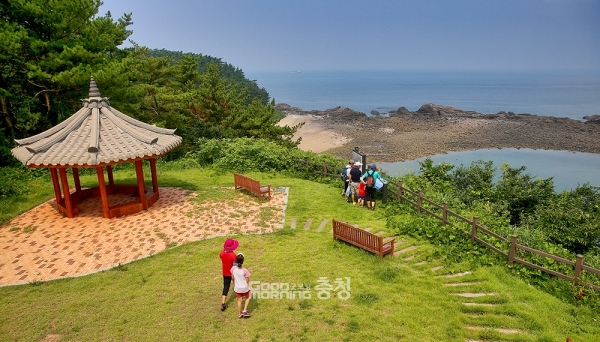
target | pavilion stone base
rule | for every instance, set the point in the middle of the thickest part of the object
(132, 207)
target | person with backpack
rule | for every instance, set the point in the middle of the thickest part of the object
(370, 178)
(345, 175)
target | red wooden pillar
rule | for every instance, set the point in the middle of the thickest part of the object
(139, 173)
(56, 185)
(66, 193)
(154, 177)
(103, 194)
(76, 179)
(111, 180)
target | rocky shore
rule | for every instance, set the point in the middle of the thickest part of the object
(435, 129)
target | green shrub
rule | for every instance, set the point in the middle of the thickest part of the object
(572, 220)
(14, 180)
(522, 193)
(250, 154)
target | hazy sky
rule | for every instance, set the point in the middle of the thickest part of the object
(263, 35)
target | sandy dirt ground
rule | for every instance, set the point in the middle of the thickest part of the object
(41, 244)
(315, 137)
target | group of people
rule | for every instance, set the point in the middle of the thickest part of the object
(233, 270)
(360, 188)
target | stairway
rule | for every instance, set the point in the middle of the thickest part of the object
(478, 306)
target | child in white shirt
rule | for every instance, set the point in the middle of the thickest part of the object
(241, 285)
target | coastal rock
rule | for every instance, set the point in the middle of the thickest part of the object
(286, 108)
(431, 108)
(400, 111)
(434, 109)
(343, 112)
(336, 113)
(592, 118)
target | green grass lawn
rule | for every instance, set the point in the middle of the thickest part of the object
(175, 295)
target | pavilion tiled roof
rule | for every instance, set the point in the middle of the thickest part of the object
(97, 134)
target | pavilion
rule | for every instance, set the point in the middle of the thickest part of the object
(98, 136)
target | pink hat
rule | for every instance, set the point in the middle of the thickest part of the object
(230, 245)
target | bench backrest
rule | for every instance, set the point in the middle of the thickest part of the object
(246, 182)
(361, 236)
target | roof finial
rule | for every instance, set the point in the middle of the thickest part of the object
(94, 91)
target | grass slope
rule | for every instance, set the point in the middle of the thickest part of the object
(175, 294)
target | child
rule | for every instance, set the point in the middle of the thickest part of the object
(361, 194)
(241, 285)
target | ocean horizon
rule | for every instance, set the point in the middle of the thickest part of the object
(572, 94)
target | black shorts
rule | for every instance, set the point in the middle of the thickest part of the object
(371, 193)
(226, 284)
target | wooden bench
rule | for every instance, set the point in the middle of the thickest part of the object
(362, 238)
(252, 185)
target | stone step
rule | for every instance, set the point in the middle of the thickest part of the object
(409, 258)
(405, 250)
(457, 274)
(322, 225)
(380, 233)
(479, 304)
(500, 330)
(421, 263)
(293, 226)
(307, 224)
(462, 284)
(437, 268)
(474, 295)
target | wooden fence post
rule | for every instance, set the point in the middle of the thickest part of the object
(513, 250)
(307, 164)
(578, 266)
(325, 170)
(445, 214)
(419, 202)
(474, 229)
(399, 192)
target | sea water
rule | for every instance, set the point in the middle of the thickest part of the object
(572, 94)
(568, 169)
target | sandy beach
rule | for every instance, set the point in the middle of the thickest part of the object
(407, 136)
(315, 137)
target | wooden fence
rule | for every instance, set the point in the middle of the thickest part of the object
(319, 169)
(442, 213)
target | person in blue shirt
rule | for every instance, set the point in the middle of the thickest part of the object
(371, 190)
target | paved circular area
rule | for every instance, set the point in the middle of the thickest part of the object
(42, 244)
